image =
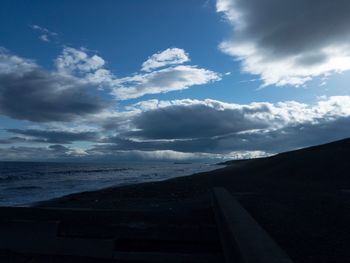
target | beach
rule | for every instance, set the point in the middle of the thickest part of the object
(300, 198)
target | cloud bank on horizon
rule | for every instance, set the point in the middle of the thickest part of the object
(80, 108)
(191, 129)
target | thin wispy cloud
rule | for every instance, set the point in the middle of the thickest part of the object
(45, 34)
(164, 80)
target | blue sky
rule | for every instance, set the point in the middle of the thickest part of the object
(226, 72)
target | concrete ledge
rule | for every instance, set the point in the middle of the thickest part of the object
(243, 239)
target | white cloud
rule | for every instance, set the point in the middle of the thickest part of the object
(288, 42)
(45, 34)
(89, 69)
(44, 38)
(12, 64)
(76, 152)
(192, 129)
(73, 60)
(234, 130)
(161, 155)
(210, 118)
(177, 155)
(170, 56)
(239, 155)
(164, 80)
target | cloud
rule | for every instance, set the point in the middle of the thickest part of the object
(183, 119)
(45, 34)
(160, 155)
(289, 137)
(113, 152)
(29, 92)
(63, 151)
(162, 72)
(288, 42)
(170, 56)
(215, 127)
(14, 139)
(52, 152)
(162, 81)
(77, 61)
(195, 129)
(56, 136)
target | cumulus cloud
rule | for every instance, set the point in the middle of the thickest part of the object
(73, 60)
(199, 129)
(29, 92)
(195, 119)
(170, 56)
(61, 94)
(216, 127)
(177, 129)
(161, 73)
(288, 42)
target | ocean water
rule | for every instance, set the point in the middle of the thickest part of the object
(23, 183)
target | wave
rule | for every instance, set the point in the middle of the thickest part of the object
(90, 171)
(27, 187)
(10, 178)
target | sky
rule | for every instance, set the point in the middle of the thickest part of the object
(171, 80)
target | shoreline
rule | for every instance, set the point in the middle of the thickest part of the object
(297, 197)
(149, 173)
(99, 199)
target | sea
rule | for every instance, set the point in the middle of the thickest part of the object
(25, 183)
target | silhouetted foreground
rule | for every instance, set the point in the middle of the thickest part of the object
(301, 198)
(97, 235)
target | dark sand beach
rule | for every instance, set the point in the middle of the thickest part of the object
(302, 199)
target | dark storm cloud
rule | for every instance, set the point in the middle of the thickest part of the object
(28, 92)
(270, 141)
(198, 129)
(290, 41)
(56, 136)
(287, 138)
(215, 127)
(295, 26)
(196, 121)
